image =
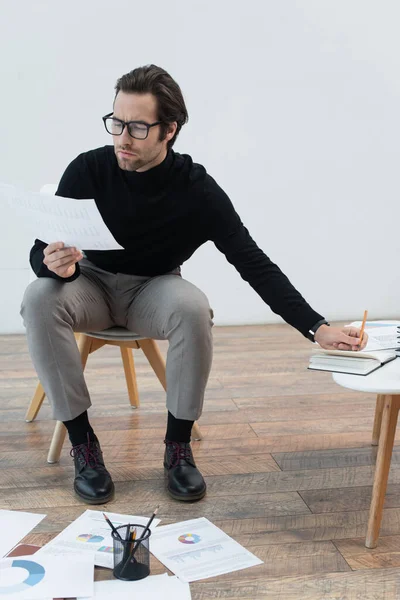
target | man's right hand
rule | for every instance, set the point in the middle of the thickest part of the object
(61, 260)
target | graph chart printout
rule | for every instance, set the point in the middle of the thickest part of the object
(197, 549)
(90, 534)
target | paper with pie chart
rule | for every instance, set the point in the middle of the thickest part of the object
(91, 534)
(35, 578)
(197, 549)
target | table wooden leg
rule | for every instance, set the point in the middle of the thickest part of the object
(388, 430)
(378, 419)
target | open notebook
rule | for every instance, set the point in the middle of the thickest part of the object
(382, 335)
(355, 363)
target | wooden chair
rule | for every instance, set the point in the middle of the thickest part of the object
(90, 342)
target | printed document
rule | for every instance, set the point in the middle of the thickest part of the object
(55, 219)
(35, 578)
(155, 587)
(91, 534)
(197, 549)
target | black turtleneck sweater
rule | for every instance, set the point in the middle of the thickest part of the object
(161, 217)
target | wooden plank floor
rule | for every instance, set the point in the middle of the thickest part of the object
(286, 454)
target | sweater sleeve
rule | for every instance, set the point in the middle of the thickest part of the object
(74, 183)
(233, 239)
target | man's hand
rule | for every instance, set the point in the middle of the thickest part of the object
(61, 260)
(336, 338)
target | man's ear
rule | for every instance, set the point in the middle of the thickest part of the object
(171, 130)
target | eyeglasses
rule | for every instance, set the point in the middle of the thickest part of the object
(136, 129)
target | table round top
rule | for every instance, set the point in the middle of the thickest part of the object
(385, 380)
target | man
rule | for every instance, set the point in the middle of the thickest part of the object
(160, 206)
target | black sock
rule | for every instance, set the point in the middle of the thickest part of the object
(178, 430)
(79, 428)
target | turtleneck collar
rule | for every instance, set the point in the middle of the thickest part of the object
(152, 179)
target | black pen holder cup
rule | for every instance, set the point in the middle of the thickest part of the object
(131, 557)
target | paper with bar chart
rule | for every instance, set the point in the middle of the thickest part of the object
(91, 534)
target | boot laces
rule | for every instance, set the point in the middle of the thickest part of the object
(88, 452)
(178, 453)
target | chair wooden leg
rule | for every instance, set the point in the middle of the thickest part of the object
(380, 400)
(35, 404)
(196, 433)
(391, 406)
(155, 358)
(57, 442)
(130, 376)
(84, 344)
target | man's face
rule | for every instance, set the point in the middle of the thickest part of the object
(133, 154)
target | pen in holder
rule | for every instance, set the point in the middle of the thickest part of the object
(131, 552)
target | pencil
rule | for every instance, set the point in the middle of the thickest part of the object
(126, 545)
(128, 549)
(112, 526)
(138, 542)
(133, 538)
(363, 326)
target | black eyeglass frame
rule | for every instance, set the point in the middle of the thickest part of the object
(127, 123)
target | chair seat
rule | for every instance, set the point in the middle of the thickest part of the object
(115, 333)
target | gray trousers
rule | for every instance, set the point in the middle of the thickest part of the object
(163, 307)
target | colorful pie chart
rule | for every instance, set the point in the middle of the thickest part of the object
(88, 537)
(189, 538)
(35, 574)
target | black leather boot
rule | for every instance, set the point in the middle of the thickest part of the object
(185, 482)
(92, 482)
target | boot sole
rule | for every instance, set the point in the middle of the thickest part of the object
(184, 497)
(93, 501)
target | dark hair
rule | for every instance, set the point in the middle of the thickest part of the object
(170, 103)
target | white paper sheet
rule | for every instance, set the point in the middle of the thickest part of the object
(15, 525)
(197, 549)
(35, 578)
(91, 534)
(154, 587)
(55, 219)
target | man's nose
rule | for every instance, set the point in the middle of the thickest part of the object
(125, 138)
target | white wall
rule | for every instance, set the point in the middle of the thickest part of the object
(294, 109)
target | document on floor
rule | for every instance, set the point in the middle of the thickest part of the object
(382, 335)
(91, 534)
(38, 577)
(155, 587)
(56, 219)
(197, 549)
(15, 525)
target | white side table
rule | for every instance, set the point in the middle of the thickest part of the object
(385, 382)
